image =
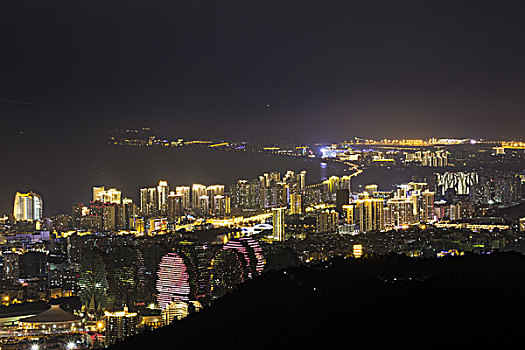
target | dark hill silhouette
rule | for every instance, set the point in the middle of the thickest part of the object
(386, 300)
(512, 213)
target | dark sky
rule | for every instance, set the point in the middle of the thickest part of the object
(328, 69)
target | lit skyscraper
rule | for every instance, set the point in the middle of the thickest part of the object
(196, 192)
(368, 214)
(163, 191)
(427, 206)
(204, 205)
(302, 180)
(278, 223)
(214, 190)
(400, 212)
(295, 204)
(221, 205)
(174, 206)
(184, 191)
(28, 207)
(120, 325)
(96, 191)
(110, 196)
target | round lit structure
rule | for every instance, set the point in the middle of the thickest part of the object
(53, 318)
(251, 250)
(228, 269)
(173, 280)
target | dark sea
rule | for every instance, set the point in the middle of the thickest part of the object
(64, 169)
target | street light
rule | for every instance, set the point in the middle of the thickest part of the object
(35, 347)
(71, 346)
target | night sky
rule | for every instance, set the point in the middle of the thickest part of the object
(300, 70)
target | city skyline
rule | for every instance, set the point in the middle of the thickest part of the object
(261, 173)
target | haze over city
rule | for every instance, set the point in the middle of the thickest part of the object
(299, 70)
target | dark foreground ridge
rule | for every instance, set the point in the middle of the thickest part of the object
(387, 300)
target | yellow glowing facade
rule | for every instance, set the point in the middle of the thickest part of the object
(368, 214)
(197, 191)
(295, 204)
(357, 250)
(278, 223)
(119, 325)
(28, 207)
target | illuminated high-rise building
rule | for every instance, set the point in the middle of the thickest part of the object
(175, 206)
(400, 212)
(184, 191)
(368, 214)
(28, 207)
(110, 196)
(120, 325)
(346, 182)
(143, 200)
(197, 191)
(227, 205)
(278, 223)
(214, 190)
(96, 192)
(11, 267)
(295, 204)
(327, 221)
(221, 205)
(163, 191)
(127, 213)
(283, 193)
(427, 206)
(333, 184)
(455, 212)
(149, 201)
(109, 218)
(204, 205)
(348, 211)
(302, 180)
